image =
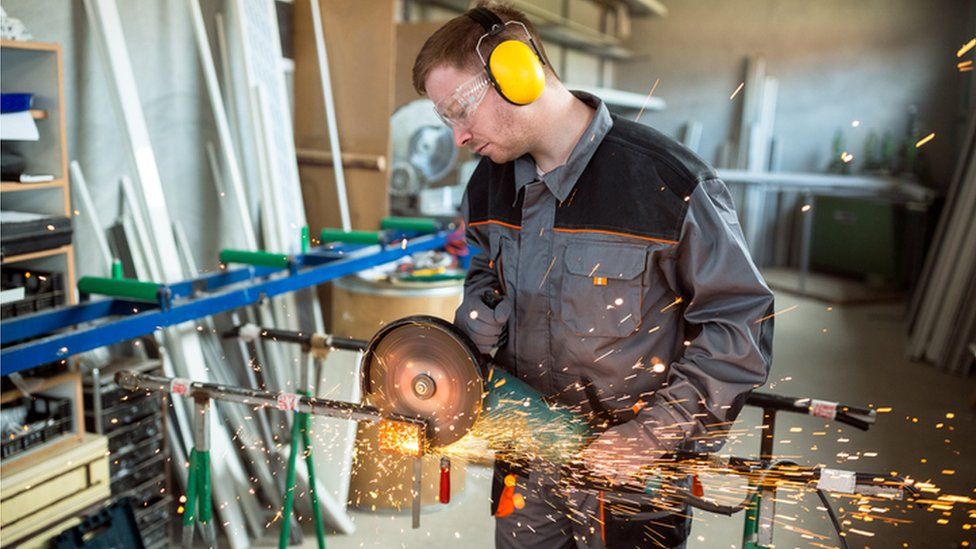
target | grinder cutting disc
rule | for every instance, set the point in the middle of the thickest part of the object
(424, 367)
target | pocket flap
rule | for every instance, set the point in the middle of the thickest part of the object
(613, 261)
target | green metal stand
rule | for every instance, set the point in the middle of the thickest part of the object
(301, 441)
(750, 532)
(198, 507)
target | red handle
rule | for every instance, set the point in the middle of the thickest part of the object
(445, 480)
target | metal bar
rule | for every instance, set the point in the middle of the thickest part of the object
(223, 128)
(201, 443)
(330, 114)
(312, 489)
(89, 213)
(23, 327)
(766, 507)
(289, 496)
(865, 185)
(59, 346)
(133, 381)
(418, 467)
(806, 240)
(305, 339)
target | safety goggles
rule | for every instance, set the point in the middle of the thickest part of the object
(457, 108)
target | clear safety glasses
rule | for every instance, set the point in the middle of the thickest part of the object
(457, 108)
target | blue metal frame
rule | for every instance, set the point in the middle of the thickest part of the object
(190, 300)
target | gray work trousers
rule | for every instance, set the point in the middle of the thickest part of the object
(553, 519)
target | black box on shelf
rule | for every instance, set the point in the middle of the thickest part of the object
(42, 290)
(25, 232)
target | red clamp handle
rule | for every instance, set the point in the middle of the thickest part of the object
(445, 495)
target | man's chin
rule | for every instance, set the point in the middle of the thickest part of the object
(499, 157)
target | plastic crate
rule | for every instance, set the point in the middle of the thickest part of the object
(155, 511)
(127, 411)
(152, 470)
(142, 493)
(42, 290)
(135, 433)
(122, 463)
(46, 419)
(156, 537)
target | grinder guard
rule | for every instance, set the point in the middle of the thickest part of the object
(425, 367)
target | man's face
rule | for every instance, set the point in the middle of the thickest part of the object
(497, 129)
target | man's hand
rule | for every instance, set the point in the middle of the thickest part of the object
(620, 457)
(483, 324)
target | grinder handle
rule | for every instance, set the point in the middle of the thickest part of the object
(492, 298)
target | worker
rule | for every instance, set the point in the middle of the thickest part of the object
(626, 287)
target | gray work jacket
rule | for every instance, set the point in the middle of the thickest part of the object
(635, 297)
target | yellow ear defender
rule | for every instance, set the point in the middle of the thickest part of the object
(513, 67)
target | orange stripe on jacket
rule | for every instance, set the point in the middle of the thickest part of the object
(495, 222)
(614, 233)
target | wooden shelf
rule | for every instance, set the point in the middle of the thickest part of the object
(37, 385)
(29, 458)
(14, 186)
(30, 45)
(638, 7)
(556, 28)
(37, 255)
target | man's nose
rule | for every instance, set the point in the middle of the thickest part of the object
(461, 136)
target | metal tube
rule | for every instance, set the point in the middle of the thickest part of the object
(806, 239)
(314, 406)
(330, 114)
(418, 467)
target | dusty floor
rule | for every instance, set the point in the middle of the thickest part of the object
(853, 355)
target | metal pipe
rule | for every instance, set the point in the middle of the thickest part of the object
(133, 381)
(330, 113)
(308, 340)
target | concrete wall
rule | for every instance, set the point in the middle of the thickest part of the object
(164, 59)
(837, 61)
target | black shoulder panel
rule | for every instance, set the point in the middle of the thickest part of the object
(635, 184)
(491, 194)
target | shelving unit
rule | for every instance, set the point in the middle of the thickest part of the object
(14, 186)
(555, 28)
(36, 67)
(638, 7)
(55, 493)
(602, 43)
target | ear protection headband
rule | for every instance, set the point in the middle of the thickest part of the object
(513, 67)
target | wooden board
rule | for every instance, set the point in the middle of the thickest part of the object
(410, 37)
(359, 37)
(52, 489)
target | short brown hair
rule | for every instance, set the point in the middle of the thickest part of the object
(454, 44)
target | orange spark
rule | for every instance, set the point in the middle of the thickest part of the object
(925, 140)
(736, 92)
(786, 310)
(966, 47)
(646, 99)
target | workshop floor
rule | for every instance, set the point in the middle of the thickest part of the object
(848, 354)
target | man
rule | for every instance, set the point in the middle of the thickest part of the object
(627, 291)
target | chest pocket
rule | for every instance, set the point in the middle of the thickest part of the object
(602, 289)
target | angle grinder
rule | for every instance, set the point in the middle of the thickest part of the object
(425, 367)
